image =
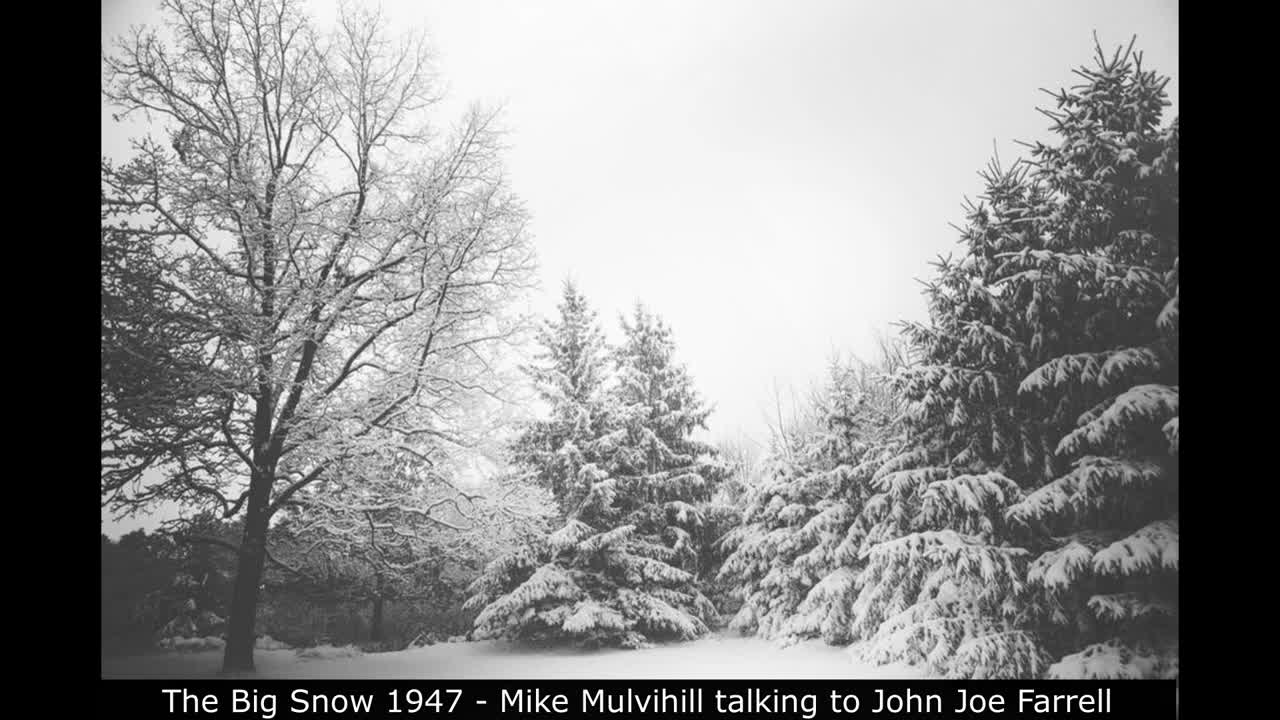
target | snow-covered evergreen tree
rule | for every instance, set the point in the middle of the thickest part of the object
(723, 515)
(859, 432)
(760, 550)
(1033, 513)
(624, 568)
(794, 558)
(656, 413)
(1105, 582)
(563, 448)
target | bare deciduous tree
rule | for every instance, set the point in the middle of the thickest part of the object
(313, 275)
(399, 522)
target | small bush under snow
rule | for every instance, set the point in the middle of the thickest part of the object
(329, 652)
(266, 642)
(192, 644)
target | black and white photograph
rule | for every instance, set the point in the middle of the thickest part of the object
(570, 339)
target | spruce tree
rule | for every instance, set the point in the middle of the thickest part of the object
(761, 550)
(656, 411)
(623, 569)
(721, 517)
(1033, 513)
(570, 378)
(859, 432)
(1105, 530)
(794, 558)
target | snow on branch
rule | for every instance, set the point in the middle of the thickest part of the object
(972, 504)
(1152, 548)
(1119, 607)
(1170, 430)
(1093, 485)
(1116, 660)
(1097, 369)
(1167, 321)
(1151, 404)
(547, 582)
(1068, 565)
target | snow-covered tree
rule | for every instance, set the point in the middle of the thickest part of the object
(1105, 581)
(564, 448)
(723, 514)
(794, 558)
(325, 272)
(760, 551)
(1033, 512)
(200, 578)
(624, 568)
(655, 413)
(390, 533)
(859, 432)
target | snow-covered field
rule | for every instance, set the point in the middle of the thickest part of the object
(711, 658)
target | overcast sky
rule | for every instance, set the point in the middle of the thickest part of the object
(769, 176)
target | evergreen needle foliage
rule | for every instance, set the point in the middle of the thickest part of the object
(1008, 507)
(794, 558)
(1032, 528)
(633, 483)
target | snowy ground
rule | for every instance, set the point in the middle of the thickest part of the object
(711, 658)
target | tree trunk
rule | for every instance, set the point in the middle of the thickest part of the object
(375, 628)
(238, 656)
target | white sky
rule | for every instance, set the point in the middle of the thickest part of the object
(770, 176)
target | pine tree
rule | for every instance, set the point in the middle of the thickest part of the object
(623, 569)
(1034, 511)
(570, 378)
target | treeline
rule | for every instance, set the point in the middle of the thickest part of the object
(1000, 499)
(154, 587)
(1009, 505)
(173, 589)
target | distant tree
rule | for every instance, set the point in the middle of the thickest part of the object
(312, 273)
(742, 472)
(758, 563)
(742, 457)
(389, 535)
(204, 576)
(137, 597)
(157, 585)
(794, 558)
